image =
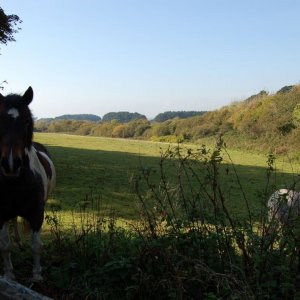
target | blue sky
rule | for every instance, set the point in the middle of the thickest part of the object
(149, 56)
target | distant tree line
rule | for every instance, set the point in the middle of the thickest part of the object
(114, 128)
(78, 117)
(176, 114)
(262, 121)
(122, 116)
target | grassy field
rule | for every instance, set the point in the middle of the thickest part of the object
(202, 249)
(98, 167)
(101, 168)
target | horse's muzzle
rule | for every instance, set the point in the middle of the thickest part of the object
(11, 166)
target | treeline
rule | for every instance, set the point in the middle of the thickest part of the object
(176, 114)
(114, 128)
(78, 117)
(140, 129)
(125, 116)
(257, 122)
(122, 116)
(119, 124)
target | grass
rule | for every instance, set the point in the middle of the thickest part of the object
(99, 166)
(102, 167)
(195, 237)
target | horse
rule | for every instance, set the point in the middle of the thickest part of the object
(284, 205)
(27, 177)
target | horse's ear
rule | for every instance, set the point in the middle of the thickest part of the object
(28, 95)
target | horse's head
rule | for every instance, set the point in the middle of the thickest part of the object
(16, 130)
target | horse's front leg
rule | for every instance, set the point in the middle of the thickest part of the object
(5, 251)
(36, 245)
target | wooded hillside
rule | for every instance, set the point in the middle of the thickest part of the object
(260, 121)
(168, 115)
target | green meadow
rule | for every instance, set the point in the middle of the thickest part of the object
(196, 228)
(102, 168)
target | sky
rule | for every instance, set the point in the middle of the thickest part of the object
(149, 56)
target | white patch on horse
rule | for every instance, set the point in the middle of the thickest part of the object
(37, 167)
(13, 112)
(11, 161)
(36, 245)
(52, 180)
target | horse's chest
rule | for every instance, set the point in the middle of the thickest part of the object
(21, 195)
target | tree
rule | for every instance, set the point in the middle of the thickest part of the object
(286, 89)
(80, 117)
(167, 115)
(122, 116)
(296, 114)
(8, 27)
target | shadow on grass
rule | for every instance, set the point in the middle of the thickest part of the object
(84, 176)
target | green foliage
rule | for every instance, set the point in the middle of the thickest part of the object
(169, 139)
(122, 116)
(79, 117)
(41, 126)
(286, 89)
(256, 96)
(135, 128)
(259, 260)
(262, 122)
(141, 126)
(296, 114)
(104, 129)
(64, 126)
(162, 117)
(286, 128)
(163, 129)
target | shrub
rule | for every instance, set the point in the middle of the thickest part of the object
(104, 128)
(85, 128)
(257, 261)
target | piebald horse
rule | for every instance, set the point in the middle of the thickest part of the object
(27, 177)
